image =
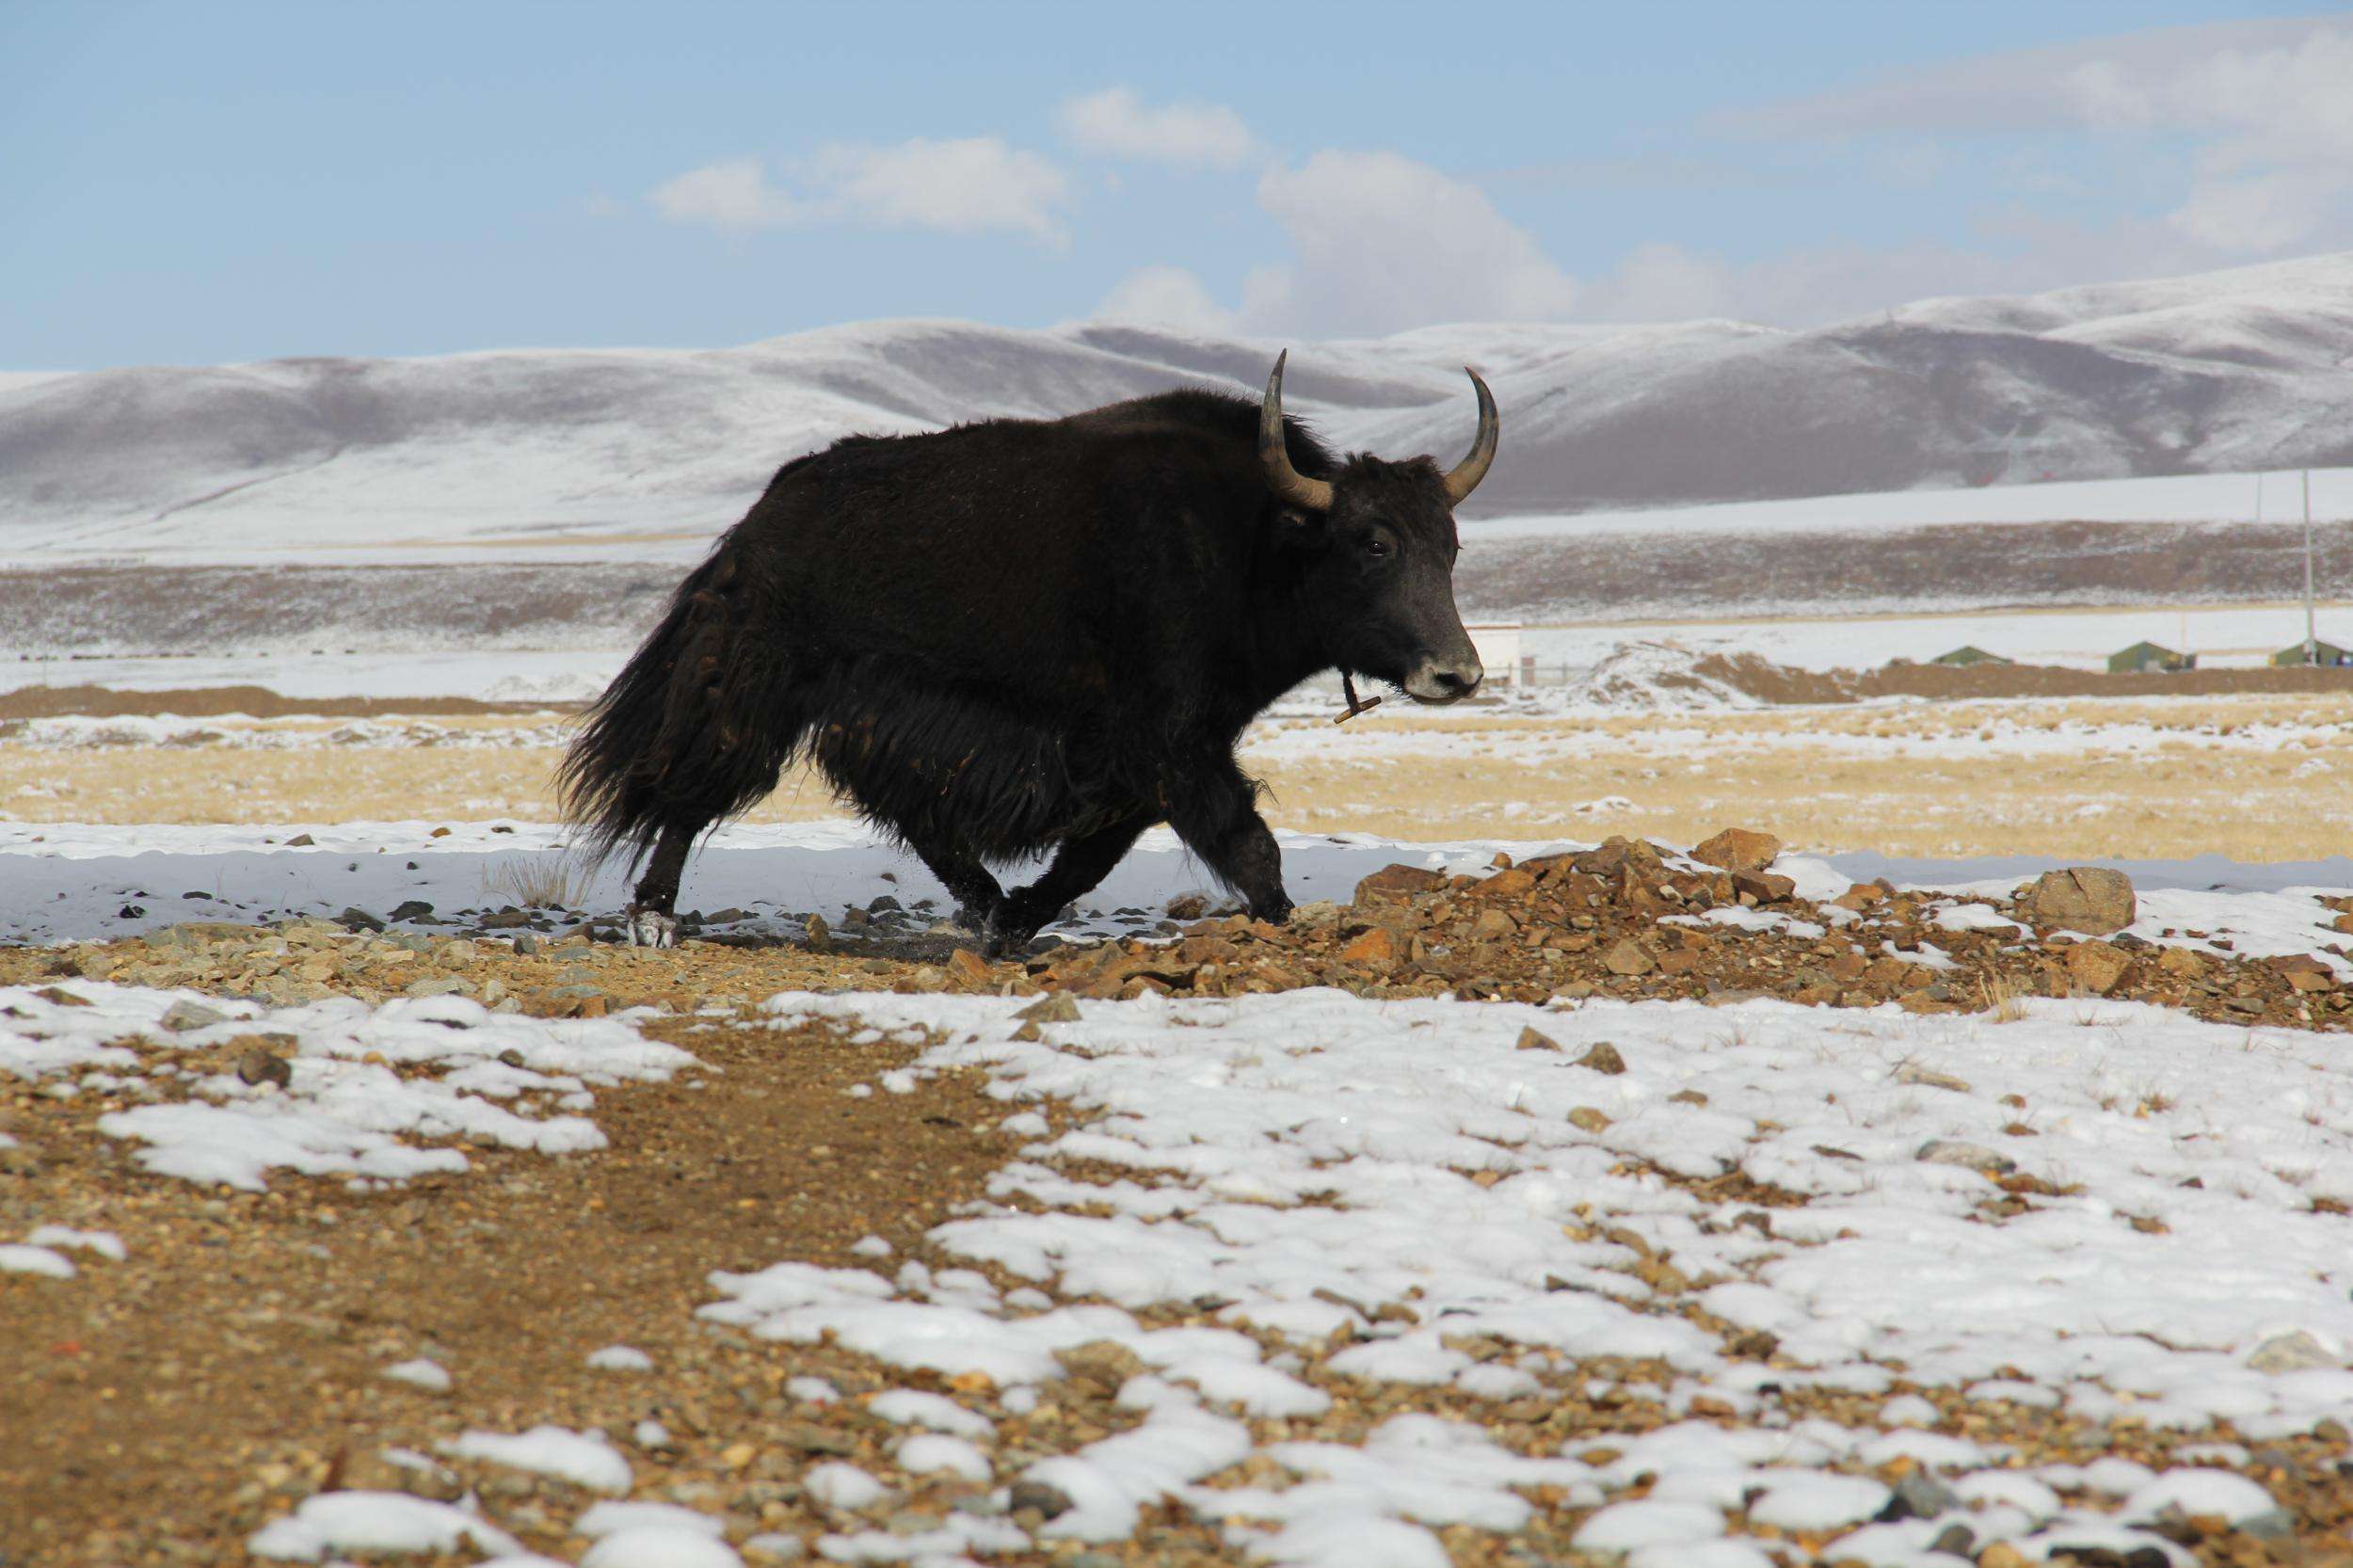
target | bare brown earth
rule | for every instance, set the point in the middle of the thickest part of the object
(1785, 685)
(234, 1361)
(233, 1365)
(199, 702)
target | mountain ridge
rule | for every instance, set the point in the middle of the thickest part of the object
(2223, 372)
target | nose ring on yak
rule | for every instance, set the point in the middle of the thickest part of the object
(1314, 495)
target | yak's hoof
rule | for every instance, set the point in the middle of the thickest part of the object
(650, 928)
(1008, 936)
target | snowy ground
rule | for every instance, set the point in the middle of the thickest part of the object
(1372, 1197)
(2180, 498)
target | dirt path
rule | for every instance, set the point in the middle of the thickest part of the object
(234, 1361)
(203, 702)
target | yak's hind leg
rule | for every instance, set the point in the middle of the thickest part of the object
(1079, 865)
(970, 884)
(653, 920)
(1214, 810)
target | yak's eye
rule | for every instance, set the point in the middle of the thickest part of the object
(1376, 547)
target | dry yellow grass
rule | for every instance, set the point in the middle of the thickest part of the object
(2256, 779)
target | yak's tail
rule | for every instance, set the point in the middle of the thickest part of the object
(693, 731)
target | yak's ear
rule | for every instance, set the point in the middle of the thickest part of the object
(1298, 528)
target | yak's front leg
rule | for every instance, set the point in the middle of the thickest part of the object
(1214, 810)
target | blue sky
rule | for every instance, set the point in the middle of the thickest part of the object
(227, 182)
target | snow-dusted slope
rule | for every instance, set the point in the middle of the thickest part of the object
(2233, 371)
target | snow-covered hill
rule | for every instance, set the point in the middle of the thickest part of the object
(2233, 371)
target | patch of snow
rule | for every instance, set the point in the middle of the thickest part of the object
(17, 1259)
(420, 1372)
(620, 1358)
(337, 1522)
(581, 1458)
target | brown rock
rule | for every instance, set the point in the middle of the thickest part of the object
(1862, 895)
(1506, 885)
(969, 968)
(1739, 849)
(1375, 947)
(2089, 898)
(1105, 1363)
(2305, 973)
(1586, 1119)
(1492, 925)
(1764, 886)
(1618, 854)
(1603, 1058)
(258, 1066)
(1391, 884)
(1056, 1009)
(2181, 963)
(2096, 967)
(1536, 1040)
(1628, 957)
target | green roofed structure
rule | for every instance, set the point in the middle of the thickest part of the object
(2323, 654)
(2150, 659)
(1968, 654)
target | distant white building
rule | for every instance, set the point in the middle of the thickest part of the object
(1499, 645)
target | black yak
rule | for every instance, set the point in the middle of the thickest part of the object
(1023, 635)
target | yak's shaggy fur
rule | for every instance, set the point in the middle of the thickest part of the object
(1002, 638)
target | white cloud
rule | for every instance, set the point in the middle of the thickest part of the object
(1384, 243)
(2265, 104)
(1116, 124)
(732, 194)
(1164, 297)
(968, 185)
(963, 187)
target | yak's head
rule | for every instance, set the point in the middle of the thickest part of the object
(1381, 544)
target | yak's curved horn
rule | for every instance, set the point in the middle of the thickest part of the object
(1471, 469)
(1287, 482)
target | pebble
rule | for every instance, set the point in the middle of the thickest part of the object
(1919, 1496)
(1603, 1058)
(261, 1066)
(2293, 1352)
(183, 1015)
(1975, 1157)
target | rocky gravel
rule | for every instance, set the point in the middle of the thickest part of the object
(1626, 920)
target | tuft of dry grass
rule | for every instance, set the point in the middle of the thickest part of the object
(551, 881)
(2001, 999)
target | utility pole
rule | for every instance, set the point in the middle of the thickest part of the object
(2312, 643)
